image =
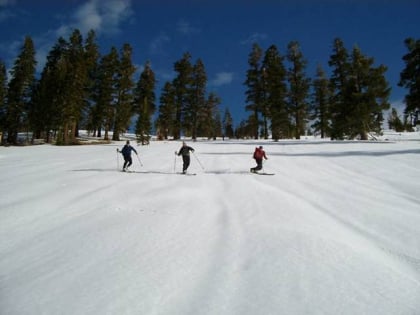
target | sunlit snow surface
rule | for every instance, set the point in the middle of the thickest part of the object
(336, 230)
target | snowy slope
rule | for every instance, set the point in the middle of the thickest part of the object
(335, 231)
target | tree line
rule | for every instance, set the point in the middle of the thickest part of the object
(350, 103)
(79, 88)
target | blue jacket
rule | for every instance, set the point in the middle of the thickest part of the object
(126, 151)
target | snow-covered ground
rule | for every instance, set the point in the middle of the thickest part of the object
(336, 230)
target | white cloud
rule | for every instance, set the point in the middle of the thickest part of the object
(101, 15)
(157, 44)
(222, 78)
(254, 38)
(6, 14)
(88, 17)
(4, 3)
(185, 28)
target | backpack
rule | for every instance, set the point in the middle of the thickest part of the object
(258, 153)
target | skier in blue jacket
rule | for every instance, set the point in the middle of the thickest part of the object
(185, 152)
(126, 152)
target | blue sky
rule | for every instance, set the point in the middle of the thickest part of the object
(220, 33)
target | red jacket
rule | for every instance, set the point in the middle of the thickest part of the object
(259, 154)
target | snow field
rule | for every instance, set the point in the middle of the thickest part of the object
(335, 231)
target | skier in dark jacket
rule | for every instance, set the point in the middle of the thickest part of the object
(259, 154)
(185, 152)
(126, 152)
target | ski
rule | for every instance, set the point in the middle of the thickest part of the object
(260, 173)
(187, 174)
(127, 171)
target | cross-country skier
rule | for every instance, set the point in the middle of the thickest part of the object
(126, 152)
(185, 152)
(259, 154)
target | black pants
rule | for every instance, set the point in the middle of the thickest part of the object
(127, 161)
(259, 165)
(186, 159)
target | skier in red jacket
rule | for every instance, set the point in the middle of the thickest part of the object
(259, 155)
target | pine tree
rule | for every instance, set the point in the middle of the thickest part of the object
(3, 95)
(106, 90)
(394, 121)
(144, 104)
(49, 97)
(165, 119)
(241, 131)
(182, 87)
(321, 103)
(125, 85)
(410, 76)
(339, 61)
(254, 92)
(217, 124)
(299, 88)
(92, 56)
(275, 93)
(193, 109)
(74, 91)
(369, 95)
(19, 91)
(228, 125)
(211, 123)
(360, 94)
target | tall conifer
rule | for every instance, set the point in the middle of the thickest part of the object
(106, 90)
(320, 106)
(254, 92)
(92, 56)
(339, 62)
(360, 94)
(49, 98)
(193, 110)
(228, 124)
(144, 104)
(211, 121)
(410, 76)
(275, 93)
(182, 85)
(19, 91)
(125, 85)
(75, 89)
(3, 95)
(299, 85)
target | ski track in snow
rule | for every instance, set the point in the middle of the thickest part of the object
(335, 231)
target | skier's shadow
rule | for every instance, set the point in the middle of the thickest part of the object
(113, 170)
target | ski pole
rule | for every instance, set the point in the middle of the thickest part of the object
(118, 160)
(138, 158)
(175, 162)
(202, 167)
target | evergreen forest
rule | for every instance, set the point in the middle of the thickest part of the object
(81, 89)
